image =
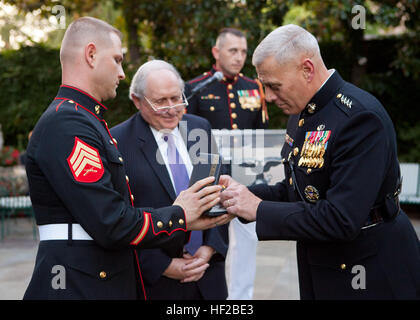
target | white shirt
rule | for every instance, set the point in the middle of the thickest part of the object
(180, 145)
(331, 72)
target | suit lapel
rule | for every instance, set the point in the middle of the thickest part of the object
(152, 154)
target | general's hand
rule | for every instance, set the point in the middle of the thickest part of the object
(197, 199)
(227, 181)
(239, 201)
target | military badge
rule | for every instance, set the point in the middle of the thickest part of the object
(85, 162)
(345, 100)
(289, 140)
(210, 96)
(311, 194)
(249, 99)
(314, 148)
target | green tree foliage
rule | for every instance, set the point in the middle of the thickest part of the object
(183, 33)
(29, 79)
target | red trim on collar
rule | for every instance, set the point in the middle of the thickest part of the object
(85, 93)
(203, 77)
(248, 79)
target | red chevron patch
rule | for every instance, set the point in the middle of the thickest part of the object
(85, 162)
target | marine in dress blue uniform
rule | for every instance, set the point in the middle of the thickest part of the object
(236, 102)
(77, 179)
(339, 199)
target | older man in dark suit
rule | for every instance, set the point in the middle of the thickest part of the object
(159, 145)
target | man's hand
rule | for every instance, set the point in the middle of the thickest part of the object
(205, 222)
(238, 200)
(227, 181)
(198, 263)
(197, 199)
(190, 268)
(186, 268)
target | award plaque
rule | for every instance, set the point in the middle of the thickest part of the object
(208, 164)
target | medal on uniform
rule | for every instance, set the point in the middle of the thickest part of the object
(249, 99)
(289, 140)
(311, 194)
(313, 149)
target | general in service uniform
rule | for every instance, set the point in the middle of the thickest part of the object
(233, 103)
(79, 189)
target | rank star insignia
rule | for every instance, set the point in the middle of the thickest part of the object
(85, 162)
(345, 100)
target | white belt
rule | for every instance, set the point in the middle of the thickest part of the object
(60, 232)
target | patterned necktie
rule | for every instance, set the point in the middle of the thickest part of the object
(181, 181)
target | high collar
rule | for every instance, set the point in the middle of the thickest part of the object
(226, 79)
(324, 94)
(82, 98)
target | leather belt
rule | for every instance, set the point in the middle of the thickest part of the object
(59, 231)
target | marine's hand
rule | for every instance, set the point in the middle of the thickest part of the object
(239, 201)
(227, 181)
(205, 222)
(197, 199)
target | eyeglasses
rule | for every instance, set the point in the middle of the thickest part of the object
(160, 107)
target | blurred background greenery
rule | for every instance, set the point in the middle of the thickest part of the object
(383, 58)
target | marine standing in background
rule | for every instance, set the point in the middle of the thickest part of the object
(236, 102)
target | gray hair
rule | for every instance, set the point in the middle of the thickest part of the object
(139, 83)
(286, 43)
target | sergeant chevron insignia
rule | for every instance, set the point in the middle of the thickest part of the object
(85, 162)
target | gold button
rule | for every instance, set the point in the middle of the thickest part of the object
(121, 159)
(132, 198)
(71, 101)
(115, 140)
(339, 95)
(102, 274)
(296, 151)
(212, 108)
(290, 181)
(234, 115)
(234, 126)
(170, 223)
(233, 105)
(160, 224)
(229, 86)
(126, 179)
(231, 95)
(301, 122)
(343, 266)
(309, 171)
(110, 141)
(97, 109)
(181, 221)
(241, 74)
